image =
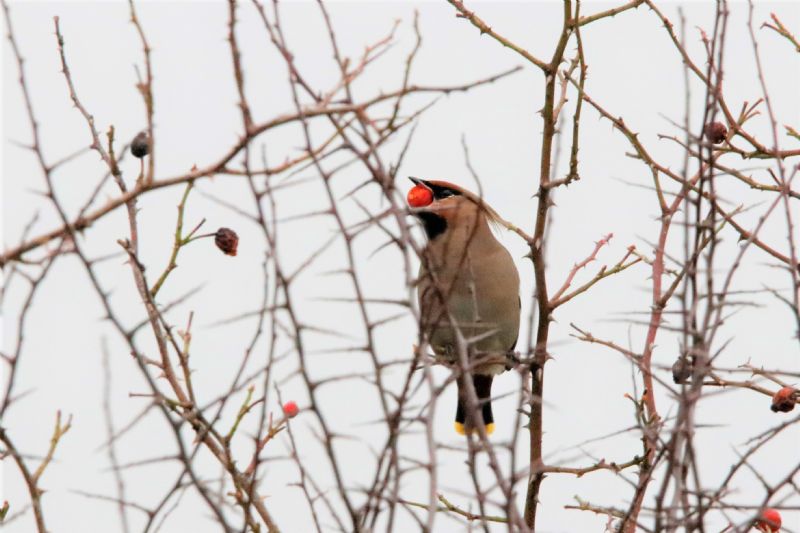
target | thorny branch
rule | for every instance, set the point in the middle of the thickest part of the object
(347, 161)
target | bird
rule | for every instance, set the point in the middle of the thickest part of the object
(467, 279)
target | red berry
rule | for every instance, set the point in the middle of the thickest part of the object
(290, 409)
(784, 400)
(770, 521)
(420, 196)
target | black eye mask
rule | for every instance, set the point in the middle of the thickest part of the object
(440, 192)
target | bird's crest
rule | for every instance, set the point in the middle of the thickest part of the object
(491, 214)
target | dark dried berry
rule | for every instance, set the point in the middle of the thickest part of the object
(715, 132)
(783, 401)
(140, 145)
(681, 370)
(226, 240)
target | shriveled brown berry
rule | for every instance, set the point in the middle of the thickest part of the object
(226, 240)
(783, 401)
(681, 370)
(140, 145)
(715, 132)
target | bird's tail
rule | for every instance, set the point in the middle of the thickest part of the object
(483, 390)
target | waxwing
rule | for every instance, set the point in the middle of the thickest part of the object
(468, 284)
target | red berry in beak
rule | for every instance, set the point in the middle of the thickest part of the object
(420, 196)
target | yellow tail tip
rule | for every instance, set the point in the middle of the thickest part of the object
(462, 431)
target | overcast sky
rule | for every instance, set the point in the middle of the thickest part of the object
(633, 71)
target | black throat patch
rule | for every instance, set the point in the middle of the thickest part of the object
(434, 224)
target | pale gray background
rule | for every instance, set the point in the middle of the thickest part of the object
(634, 72)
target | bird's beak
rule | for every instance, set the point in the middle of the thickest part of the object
(417, 181)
